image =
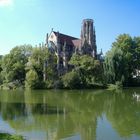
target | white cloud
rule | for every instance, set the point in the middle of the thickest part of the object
(6, 2)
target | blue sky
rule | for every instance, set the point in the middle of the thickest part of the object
(28, 21)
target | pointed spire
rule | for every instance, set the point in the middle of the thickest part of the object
(101, 52)
(65, 45)
(65, 61)
(47, 36)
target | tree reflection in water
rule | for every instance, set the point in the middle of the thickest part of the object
(61, 114)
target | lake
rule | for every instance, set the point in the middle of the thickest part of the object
(71, 114)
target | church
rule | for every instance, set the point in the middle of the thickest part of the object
(65, 46)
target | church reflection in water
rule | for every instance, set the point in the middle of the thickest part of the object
(56, 115)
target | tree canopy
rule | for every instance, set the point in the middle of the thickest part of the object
(36, 67)
(89, 69)
(122, 61)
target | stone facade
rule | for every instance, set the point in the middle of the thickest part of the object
(88, 38)
(64, 46)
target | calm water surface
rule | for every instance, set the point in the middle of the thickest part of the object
(71, 115)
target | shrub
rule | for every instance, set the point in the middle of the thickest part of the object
(71, 80)
(32, 80)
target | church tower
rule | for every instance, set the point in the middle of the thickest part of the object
(88, 38)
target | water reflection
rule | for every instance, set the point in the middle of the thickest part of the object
(55, 115)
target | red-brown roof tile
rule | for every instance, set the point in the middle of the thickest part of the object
(77, 43)
(73, 41)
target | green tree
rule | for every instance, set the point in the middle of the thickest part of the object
(35, 62)
(50, 65)
(13, 64)
(72, 80)
(1, 80)
(122, 61)
(32, 80)
(114, 66)
(43, 62)
(89, 69)
(136, 56)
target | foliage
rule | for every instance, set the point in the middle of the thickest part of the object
(89, 69)
(71, 80)
(58, 84)
(42, 62)
(51, 62)
(122, 61)
(5, 136)
(1, 81)
(114, 66)
(35, 62)
(36, 67)
(32, 79)
(13, 64)
(118, 85)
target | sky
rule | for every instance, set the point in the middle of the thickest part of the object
(28, 21)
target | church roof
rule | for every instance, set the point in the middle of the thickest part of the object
(70, 40)
(77, 43)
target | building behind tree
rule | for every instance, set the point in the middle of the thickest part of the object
(64, 46)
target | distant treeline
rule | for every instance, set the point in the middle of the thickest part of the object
(36, 67)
